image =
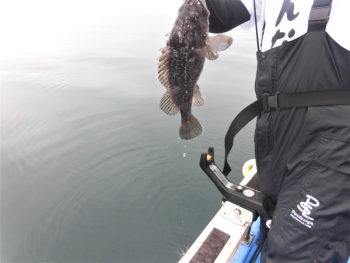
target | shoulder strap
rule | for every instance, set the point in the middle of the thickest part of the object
(319, 15)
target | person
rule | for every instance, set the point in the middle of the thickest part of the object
(302, 154)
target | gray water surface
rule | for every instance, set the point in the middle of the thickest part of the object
(91, 169)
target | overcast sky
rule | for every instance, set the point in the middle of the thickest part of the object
(37, 24)
(30, 26)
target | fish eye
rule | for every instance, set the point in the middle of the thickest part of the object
(195, 16)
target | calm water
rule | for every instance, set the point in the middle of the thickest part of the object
(91, 169)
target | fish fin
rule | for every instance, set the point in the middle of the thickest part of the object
(164, 66)
(198, 99)
(211, 55)
(190, 129)
(167, 104)
(219, 42)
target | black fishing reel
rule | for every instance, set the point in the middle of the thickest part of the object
(248, 198)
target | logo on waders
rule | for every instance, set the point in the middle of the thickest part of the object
(305, 208)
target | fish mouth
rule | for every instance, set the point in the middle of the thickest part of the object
(204, 4)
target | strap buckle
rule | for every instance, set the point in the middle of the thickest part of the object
(270, 102)
(319, 13)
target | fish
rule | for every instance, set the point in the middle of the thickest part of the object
(181, 63)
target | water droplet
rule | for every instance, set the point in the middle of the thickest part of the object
(184, 155)
(185, 145)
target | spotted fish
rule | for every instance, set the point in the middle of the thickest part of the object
(182, 61)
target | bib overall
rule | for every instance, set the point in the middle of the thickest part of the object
(303, 154)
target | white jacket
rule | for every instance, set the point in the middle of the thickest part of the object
(295, 24)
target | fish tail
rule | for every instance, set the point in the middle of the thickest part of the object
(190, 129)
